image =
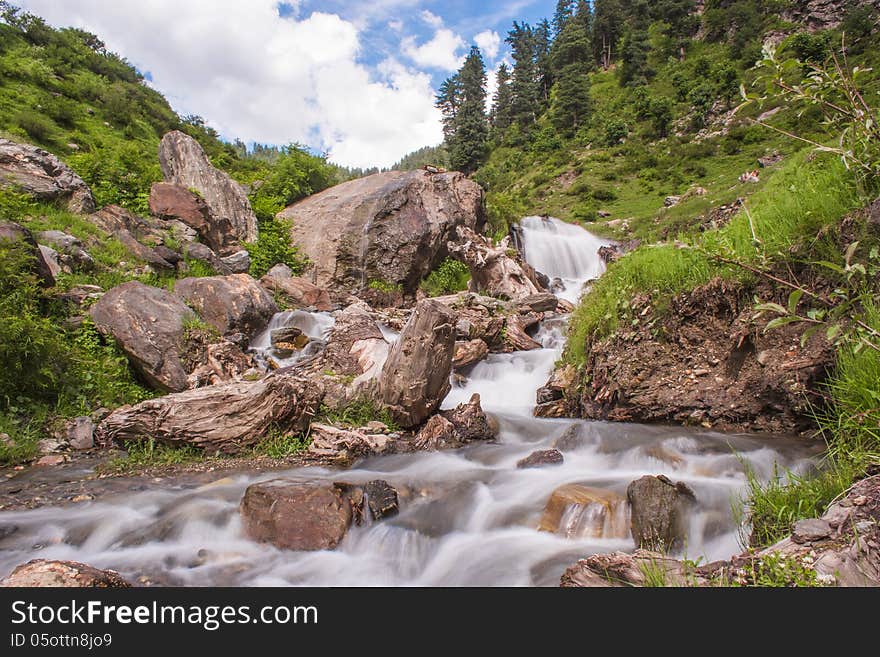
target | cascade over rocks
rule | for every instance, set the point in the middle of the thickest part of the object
(228, 417)
(499, 270)
(148, 324)
(231, 304)
(184, 163)
(43, 176)
(390, 228)
(415, 377)
(67, 574)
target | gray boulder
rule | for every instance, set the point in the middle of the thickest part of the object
(231, 304)
(43, 176)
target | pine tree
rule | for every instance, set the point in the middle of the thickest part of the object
(447, 100)
(502, 102)
(634, 56)
(608, 27)
(470, 130)
(564, 12)
(543, 62)
(524, 85)
(572, 58)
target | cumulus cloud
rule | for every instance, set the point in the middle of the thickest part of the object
(261, 77)
(441, 52)
(432, 19)
(489, 42)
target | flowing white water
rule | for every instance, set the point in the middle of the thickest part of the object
(468, 517)
(315, 325)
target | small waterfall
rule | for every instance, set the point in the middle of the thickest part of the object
(315, 325)
(562, 250)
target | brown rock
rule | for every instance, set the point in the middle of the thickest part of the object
(296, 516)
(43, 176)
(12, 232)
(80, 433)
(469, 353)
(541, 458)
(381, 499)
(391, 227)
(347, 444)
(227, 418)
(470, 422)
(659, 512)
(184, 163)
(621, 569)
(296, 290)
(68, 574)
(230, 304)
(132, 231)
(148, 325)
(415, 377)
(174, 202)
(203, 253)
(577, 511)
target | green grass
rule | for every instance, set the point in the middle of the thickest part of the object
(384, 286)
(279, 445)
(149, 454)
(356, 414)
(449, 277)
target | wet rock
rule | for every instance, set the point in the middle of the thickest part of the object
(659, 512)
(552, 397)
(470, 422)
(297, 291)
(415, 377)
(577, 511)
(43, 176)
(12, 232)
(296, 516)
(437, 433)
(68, 574)
(539, 303)
(148, 324)
(227, 418)
(381, 499)
(391, 227)
(80, 433)
(541, 458)
(570, 439)
(230, 304)
(288, 339)
(50, 460)
(498, 271)
(469, 353)
(175, 202)
(184, 163)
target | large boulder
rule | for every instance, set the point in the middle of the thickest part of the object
(415, 377)
(296, 516)
(138, 236)
(63, 574)
(14, 233)
(43, 176)
(390, 228)
(297, 291)
(148, 324)
(659, 511)
(185, 163)
(228, 417)
(231, 304)
(175, 202)
(496, 270)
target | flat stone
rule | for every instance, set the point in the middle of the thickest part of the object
(540, 458)
(810, 530)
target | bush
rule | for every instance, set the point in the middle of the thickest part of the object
(273, 246)
(450, 277)
(38, 127)
(614, 132)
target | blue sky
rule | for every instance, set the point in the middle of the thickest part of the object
(352, 78)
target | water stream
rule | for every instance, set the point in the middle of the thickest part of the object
(468, 517)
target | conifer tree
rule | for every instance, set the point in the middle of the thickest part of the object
(524, 85)
(564, 12)
(608, 27)
(469, 127)
(573, 61)
(544, 63)
(502, 102)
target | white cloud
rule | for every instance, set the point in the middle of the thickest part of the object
(432, 19)
(261, 78)
(397, 26)
(441, 52)
(489, 42)
(491, 87)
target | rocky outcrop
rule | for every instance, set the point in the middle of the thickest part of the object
(705, 362)
(842, 548)
(823, 14)
(659, 512)
(226, 418)
(148, 325)
(456, 427)
(184, 163)
(415, 377)
(12, 232)
(468, 353)
(231, 304)
(296, 516)
(43, 176)
(66, 574)
(502, 325)
(175, 202)
(390, 228)
(71, 254)
(296, 291)
(344, 445)
(135, 233)
(551, 397)
(497, 271)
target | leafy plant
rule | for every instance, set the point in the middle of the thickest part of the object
(357, 413)
(449, 277)
(273, 247)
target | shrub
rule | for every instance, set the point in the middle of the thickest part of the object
(450, 277)
(273, 246)
(38, 127)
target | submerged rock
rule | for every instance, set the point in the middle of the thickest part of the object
(541, 458)
(577, 511)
